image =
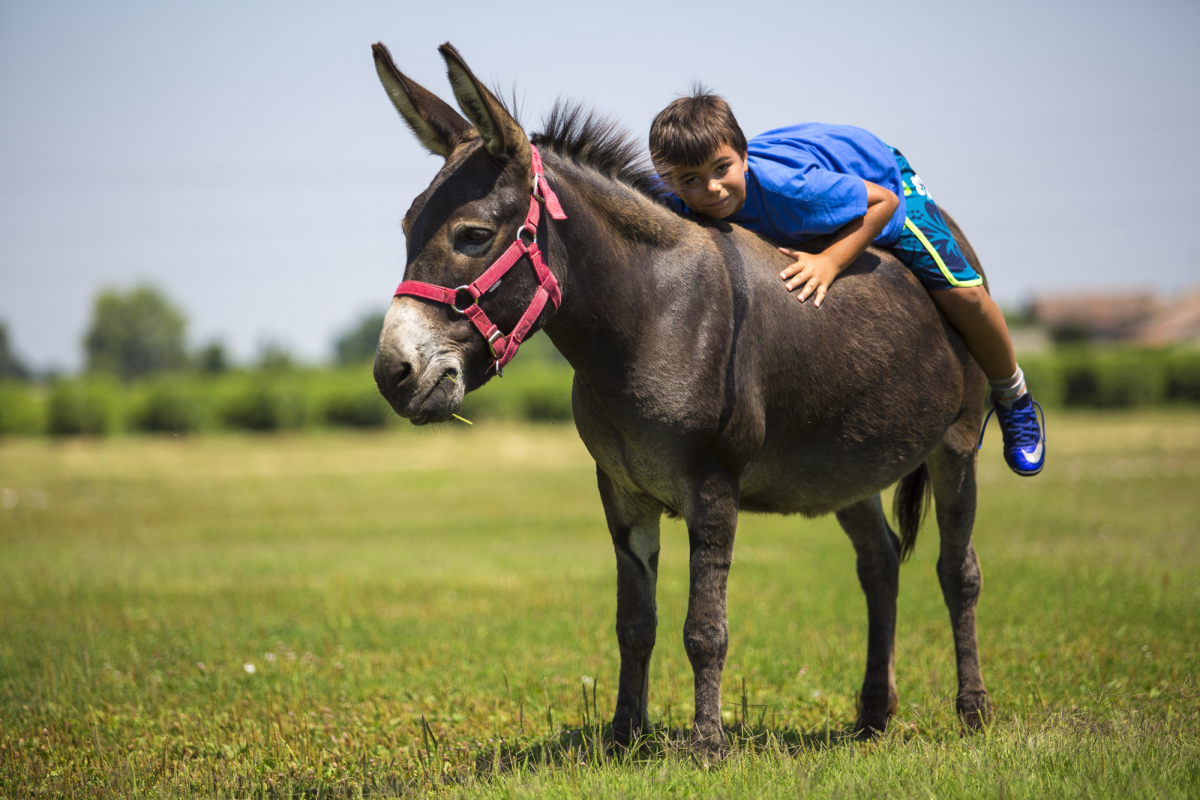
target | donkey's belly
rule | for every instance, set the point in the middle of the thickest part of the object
(816, 486)
(815, 467)
(798, 474)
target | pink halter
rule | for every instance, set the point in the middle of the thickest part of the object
(504, 347)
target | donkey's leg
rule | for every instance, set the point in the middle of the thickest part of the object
(952, 468)
(633, 524)
(878, 552)
(712, 525)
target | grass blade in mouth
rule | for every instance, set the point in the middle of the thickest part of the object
(452, 379)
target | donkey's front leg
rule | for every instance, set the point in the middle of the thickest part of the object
(712, 525)
(633, 523)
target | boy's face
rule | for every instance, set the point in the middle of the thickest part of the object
(716, 188)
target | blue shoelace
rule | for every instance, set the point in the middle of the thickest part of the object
(1019, 426)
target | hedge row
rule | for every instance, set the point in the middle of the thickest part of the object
(257, 401)
(187, 403)
(1114, 378)
(536, 389)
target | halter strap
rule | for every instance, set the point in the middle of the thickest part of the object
(504, 346)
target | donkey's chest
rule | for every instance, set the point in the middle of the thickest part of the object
(645, 464)
(644, 453)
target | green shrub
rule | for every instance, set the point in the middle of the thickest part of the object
(355, 408)
(1131, 380)
(1044, 377)
(546, 394)
(168, 405)
(21, 409)
(534, 390)
(262, 403)
(82, 406)
(498, 399)
(1183, 376)
(1113, 378)
(346, 397)
(1079, 380)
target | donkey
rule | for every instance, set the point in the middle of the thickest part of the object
(701, 386)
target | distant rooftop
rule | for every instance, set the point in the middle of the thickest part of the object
(1142, 318)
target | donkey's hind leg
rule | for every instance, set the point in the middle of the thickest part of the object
(878, 552)
(633, 522)
(952, 468)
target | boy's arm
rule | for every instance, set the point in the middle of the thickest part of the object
(815, 271)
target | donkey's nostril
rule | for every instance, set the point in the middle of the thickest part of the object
(400, 372)
(391, 375)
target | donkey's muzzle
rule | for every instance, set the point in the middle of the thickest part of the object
(395, 378)
(419, 392)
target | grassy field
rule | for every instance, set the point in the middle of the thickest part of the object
(409, 613)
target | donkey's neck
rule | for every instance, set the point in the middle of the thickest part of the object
(610, 248)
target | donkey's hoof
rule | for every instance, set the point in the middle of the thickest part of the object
(871, 723)
(975, 710)
(627, 731)
(875, 709)
(868, 727)
(709, 745)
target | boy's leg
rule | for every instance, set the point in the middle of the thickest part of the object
(975, 315)
(927, 247)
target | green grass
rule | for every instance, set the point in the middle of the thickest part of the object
(421, 610)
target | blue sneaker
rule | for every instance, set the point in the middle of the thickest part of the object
(1024, 442)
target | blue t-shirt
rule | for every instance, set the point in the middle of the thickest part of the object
(807, 180)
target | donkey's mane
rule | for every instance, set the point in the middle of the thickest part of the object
(600, 143)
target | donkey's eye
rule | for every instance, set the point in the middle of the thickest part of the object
(473, 241)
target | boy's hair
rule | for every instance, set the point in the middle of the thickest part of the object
(691, 129)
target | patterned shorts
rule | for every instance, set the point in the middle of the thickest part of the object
(926, 245)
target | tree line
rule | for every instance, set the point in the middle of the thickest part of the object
(139, 332)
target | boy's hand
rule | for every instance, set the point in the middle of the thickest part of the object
(812, 272)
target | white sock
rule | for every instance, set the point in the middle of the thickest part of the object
(1008, 391)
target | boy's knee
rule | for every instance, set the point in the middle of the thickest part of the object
(963, 299)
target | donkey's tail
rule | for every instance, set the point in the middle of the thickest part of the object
(912, 497)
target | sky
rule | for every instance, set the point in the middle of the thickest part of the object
(243, 158)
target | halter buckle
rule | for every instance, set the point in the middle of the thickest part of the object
(491, 343)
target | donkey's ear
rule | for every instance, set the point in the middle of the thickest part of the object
(438, 126)
(501, 134)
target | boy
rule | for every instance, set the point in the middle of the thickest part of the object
(795, 183)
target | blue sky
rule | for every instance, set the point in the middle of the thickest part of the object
(243, 158)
